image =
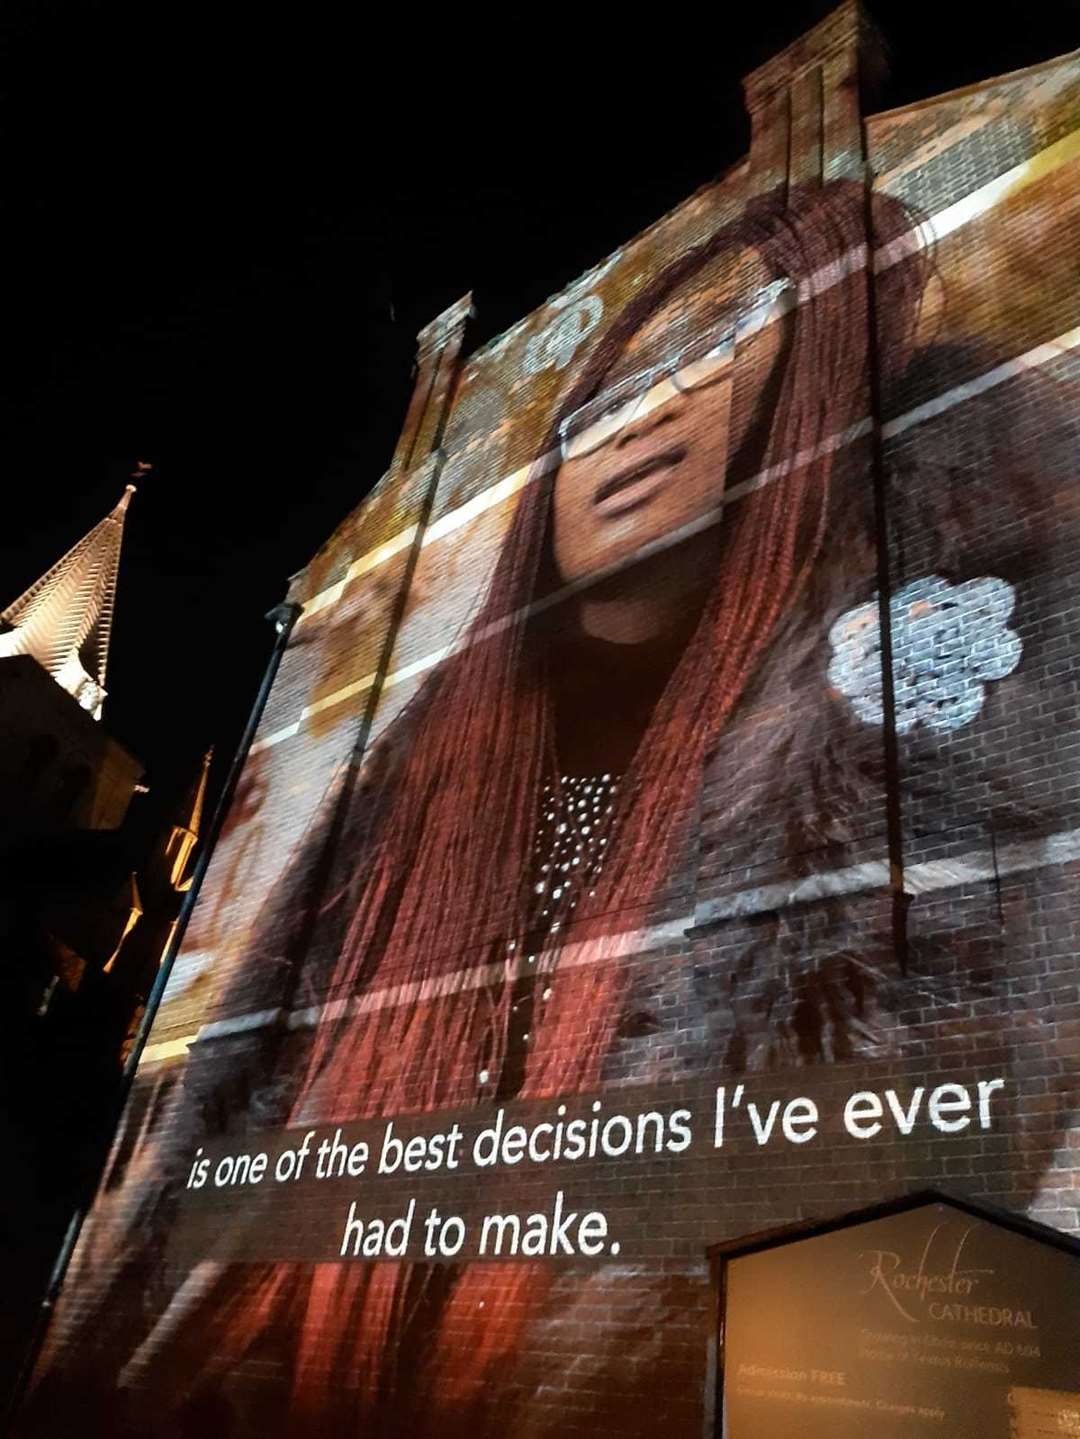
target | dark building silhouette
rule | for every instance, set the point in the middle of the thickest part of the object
(87, 905)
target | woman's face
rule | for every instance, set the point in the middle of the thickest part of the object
(637, 477)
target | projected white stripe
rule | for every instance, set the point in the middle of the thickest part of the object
(1040, 355)
(369, 561)
(946, 221)
(675, 537)
(931, 876)
(1010, 369)
(937, 227)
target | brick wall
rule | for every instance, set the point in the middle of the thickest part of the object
(873, 882)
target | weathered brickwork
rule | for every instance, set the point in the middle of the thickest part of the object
(849, 877)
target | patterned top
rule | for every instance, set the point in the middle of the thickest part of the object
(571, 838)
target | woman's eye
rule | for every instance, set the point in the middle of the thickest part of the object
(596, 416)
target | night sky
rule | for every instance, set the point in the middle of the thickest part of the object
(224, 229)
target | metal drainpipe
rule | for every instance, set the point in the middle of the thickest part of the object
(284, 618)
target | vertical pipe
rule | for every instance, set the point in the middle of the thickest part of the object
(893, 804)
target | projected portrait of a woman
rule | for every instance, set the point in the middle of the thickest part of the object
(676, 551)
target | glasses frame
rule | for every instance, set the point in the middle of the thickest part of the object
(644, 383)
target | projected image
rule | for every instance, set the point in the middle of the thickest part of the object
(536, 796)
(665, 714)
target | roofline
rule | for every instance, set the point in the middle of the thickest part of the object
(732, 169)
(975, 85)
(722, 177)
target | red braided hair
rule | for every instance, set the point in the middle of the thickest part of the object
(446, 878)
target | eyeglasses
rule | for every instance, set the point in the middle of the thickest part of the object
(701, 363)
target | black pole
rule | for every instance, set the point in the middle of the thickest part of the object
(283, 617)
(894, 820)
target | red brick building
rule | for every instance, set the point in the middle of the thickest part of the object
(666, 815)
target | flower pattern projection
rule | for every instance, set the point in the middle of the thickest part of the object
(556, 343)
(948, 640)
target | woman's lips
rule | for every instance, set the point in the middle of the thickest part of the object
(636, 485)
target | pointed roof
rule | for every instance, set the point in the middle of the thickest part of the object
(63, 621)
(190, 813)
(135, 912)
(165, 870)
(186, 826)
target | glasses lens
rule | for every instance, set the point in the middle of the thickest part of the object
(706, 370)
(716, 349)
(596, 424)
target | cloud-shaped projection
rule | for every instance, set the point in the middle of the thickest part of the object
(948, 640)
(555, 345)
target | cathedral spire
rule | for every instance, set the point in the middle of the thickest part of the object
(186, 826)
(63, 621)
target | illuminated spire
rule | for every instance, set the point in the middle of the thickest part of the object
(186, 826)
(134, 907)
(63, 621)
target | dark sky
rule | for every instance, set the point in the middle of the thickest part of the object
(223, 230)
